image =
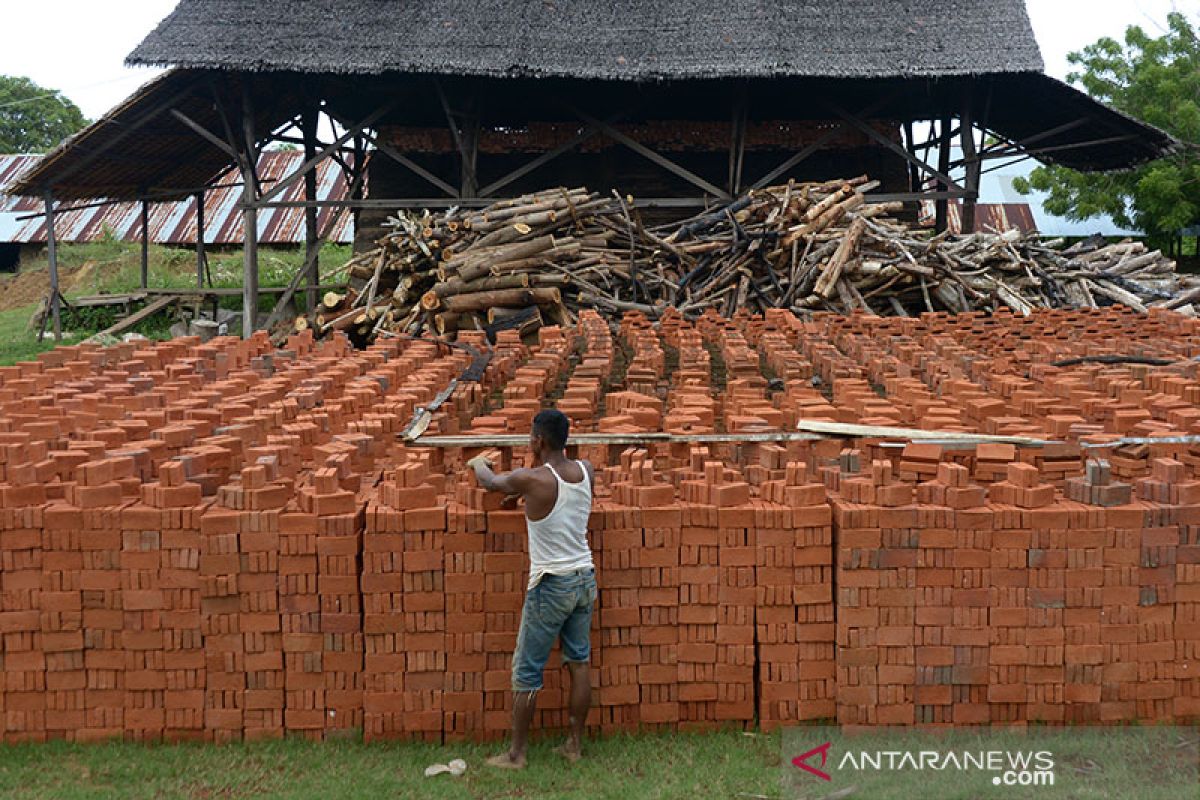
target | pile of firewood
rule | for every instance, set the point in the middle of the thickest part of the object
(539, 258)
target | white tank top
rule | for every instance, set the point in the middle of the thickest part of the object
(558, 542)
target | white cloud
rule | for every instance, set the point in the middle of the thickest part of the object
(79, 46)
(1065, 26)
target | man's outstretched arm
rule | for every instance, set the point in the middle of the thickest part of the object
(515, 482)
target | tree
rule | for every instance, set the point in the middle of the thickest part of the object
(34, 119)
(1156, 80)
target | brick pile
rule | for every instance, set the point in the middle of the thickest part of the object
(222, 541)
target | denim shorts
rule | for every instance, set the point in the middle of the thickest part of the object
(559, 606)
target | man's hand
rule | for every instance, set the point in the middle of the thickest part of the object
(481, 460)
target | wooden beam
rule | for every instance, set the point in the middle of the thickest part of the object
(908, 197)
(646, 152)
(1037, 151)
(911, 434)
(890, 145)
(737, 142)
(201, 256)
(235, 142)
(147, 311)
(205, 134)
(633, 439)
(466, 145)
(808, 150)
(308, 164)
(935, 138)
(942, 207)
(250, 135)
(815, 145)
(394, 154)
(914, 177)
(231, 291)
(249, 225)
(1021, 144)
(468, 202)
(809, 431)
(308, 125)
(330, 226)
(90, 157)
(586, 133)
(414, 167)
(145, 242)
(52, 255)
(469, 178)
(971, 162)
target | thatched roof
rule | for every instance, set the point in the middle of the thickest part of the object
(634, 40)
(671, 59)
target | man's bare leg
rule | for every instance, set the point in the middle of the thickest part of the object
(581, 702)
(524, 704)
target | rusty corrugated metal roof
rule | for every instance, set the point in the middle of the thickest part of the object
(989, 217)
(175, 222)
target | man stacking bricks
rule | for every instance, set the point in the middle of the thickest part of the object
(562, 580)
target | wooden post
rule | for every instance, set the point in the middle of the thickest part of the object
(145, 242)
(311, 245)
(737, 143)
(470, 152)
(201, 258)
(52, 254)
(249, 222)
(914, 175)
(972, 162)
(942, 206)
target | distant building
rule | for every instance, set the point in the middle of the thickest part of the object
(171, 223)
(1001, 207)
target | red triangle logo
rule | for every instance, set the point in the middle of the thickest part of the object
(801, 761)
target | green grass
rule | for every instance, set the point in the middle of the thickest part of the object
(717, 765)
(1106, 762)
(18, 342)
(118, 270)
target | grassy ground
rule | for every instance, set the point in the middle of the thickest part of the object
(17, 341)
(108, 267)
(118, 265)
(718, 765)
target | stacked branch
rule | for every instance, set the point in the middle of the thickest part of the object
(539, 258)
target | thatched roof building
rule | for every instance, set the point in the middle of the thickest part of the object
(616, 40)
(681, 103)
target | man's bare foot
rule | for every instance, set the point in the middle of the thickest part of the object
(506, 761)
(570, 751)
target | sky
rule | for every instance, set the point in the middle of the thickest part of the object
(79, 46)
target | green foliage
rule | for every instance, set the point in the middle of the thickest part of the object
(34, 119)
(1152, 79)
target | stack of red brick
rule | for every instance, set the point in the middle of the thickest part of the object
(221, 541)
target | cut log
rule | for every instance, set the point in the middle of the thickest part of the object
(833, 270)
(508, 298)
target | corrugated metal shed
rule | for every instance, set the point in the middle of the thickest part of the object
(175, 222)
(1002, 207)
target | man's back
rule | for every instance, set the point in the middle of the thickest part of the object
(558, 524)
(542, 493)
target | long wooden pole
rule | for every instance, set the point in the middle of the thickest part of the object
(201, 257)
(942, 206)
(972, 164)
(145, 243)
(52, 254)
(330, 226)
(311, 236)
(249, 223)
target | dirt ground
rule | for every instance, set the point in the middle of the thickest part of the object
(24, 288)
